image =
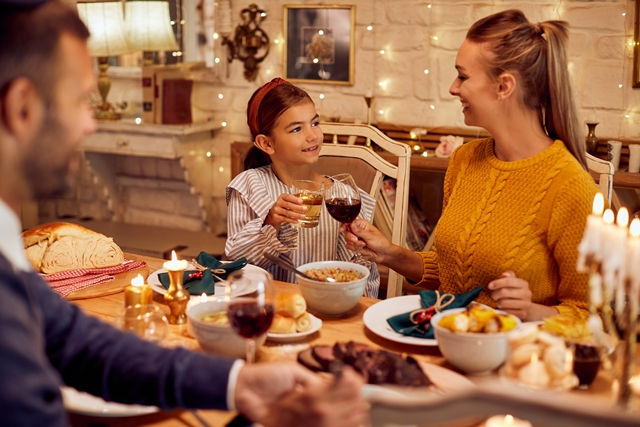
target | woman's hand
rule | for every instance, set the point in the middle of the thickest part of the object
(288, 208)
(513, 295)
(361, 236)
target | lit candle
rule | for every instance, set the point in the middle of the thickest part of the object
(622, 221)
(633, 263)
(613, 245)
(589, 248)
(174, 264)
(138, 292)
(534, 373)
(506, 421)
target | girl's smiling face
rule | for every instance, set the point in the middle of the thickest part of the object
(296, 137)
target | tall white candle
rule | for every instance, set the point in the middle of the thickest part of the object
(622, 221)
(633, 263)
(590, 246)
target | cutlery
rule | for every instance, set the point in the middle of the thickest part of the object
(288, 266)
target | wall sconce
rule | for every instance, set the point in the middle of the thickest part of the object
(250, 43)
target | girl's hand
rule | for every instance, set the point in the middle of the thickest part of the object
(511, 294)
(288, 208)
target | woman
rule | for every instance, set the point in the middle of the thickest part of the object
(515, 204)
(262, 214)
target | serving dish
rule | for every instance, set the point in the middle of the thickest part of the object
(316, 324)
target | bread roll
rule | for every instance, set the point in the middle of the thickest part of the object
(283, 325)
(62, 246)
(290, 304)
(303, 322)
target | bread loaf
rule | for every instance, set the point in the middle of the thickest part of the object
(62, 246)
(283, 325)
(290, 304)
(303, 322)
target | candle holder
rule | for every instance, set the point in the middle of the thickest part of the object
(176, 298)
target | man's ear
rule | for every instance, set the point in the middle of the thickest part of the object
(506, 85)
(22, 109)
(264, 143)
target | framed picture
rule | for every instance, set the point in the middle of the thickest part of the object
(319, 43)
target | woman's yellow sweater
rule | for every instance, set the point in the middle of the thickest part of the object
(527, 216)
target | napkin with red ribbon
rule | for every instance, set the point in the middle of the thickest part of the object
(66, 282)
(202, 281)
(403, 324)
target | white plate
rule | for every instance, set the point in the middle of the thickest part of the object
(88, 404)
(443, 380)
(375, 318)
(316, 324)
(242, 289)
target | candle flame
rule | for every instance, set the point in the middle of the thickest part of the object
(608, 217)
(203, 297)
(138, 280)
(598, 204)
(508, 419)
(623, 217)
(174, 257)
(634, 229)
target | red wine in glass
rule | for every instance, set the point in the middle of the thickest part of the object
(343, 209)
(248, 318)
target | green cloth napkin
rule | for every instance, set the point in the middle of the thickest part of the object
(206, 283)
(428, 298)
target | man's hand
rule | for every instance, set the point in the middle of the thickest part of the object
(361, 236)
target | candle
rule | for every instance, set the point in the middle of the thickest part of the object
(506, 421)
(138, 292)
(621, 235)
(534, 373)
(174, 264)
(589, 248)
(633, 263)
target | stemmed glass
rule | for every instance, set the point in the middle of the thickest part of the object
(250, 314)
(343, 203)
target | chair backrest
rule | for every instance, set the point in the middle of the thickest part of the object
(368, 168)
(602, 172)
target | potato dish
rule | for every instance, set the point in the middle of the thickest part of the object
(478, 318)
(217, 318)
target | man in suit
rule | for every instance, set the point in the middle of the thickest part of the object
(46, 77)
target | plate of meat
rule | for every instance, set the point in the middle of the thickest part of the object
(385, 372)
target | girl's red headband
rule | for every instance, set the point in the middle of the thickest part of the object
(254, 105)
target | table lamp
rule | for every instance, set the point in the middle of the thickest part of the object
(106, 25)
(148, 27)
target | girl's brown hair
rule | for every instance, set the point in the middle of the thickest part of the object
(261, 118)
(537, 53)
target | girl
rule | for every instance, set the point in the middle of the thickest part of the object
(262, 215)
(515, 204)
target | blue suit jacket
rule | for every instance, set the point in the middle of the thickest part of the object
(46, 342)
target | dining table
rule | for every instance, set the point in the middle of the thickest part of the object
(348, 327)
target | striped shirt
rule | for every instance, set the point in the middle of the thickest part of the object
(251, 195)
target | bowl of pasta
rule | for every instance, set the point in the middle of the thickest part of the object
(335, 287)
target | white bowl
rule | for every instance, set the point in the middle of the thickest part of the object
(213, 338)
(471, 352)
(332, 298)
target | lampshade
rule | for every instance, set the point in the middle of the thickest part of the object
(148, 26)
(106, 25)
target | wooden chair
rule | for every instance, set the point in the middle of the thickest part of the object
(369, 168)
(602, 171)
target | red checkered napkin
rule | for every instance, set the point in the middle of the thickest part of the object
(66, 282)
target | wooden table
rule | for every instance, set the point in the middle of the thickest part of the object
(345, 328)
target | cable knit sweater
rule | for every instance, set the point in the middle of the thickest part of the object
(527, 216)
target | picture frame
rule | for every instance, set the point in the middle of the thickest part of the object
(319, 45)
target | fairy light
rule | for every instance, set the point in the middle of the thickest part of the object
(425, 153)
(620, 85)
(321, 96)
(381, 51)
(223, 124)
(220, 96)
(369, 27)
(208, 154)
(381, 111)
(217, 60)
(384, 84)
(426, 71)
(138, 120)
(221, 169)
(316, 60)
(216, 36)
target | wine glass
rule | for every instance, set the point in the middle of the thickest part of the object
(250, 314)
(343, 203)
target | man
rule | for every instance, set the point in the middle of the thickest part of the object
(46, 77)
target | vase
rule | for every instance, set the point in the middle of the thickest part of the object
(591, 141)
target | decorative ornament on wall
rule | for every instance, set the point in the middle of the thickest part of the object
(249, 43)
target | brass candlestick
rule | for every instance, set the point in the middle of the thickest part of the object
(176, 298)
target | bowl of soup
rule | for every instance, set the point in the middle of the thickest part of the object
(335, 297)
(210, 326)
